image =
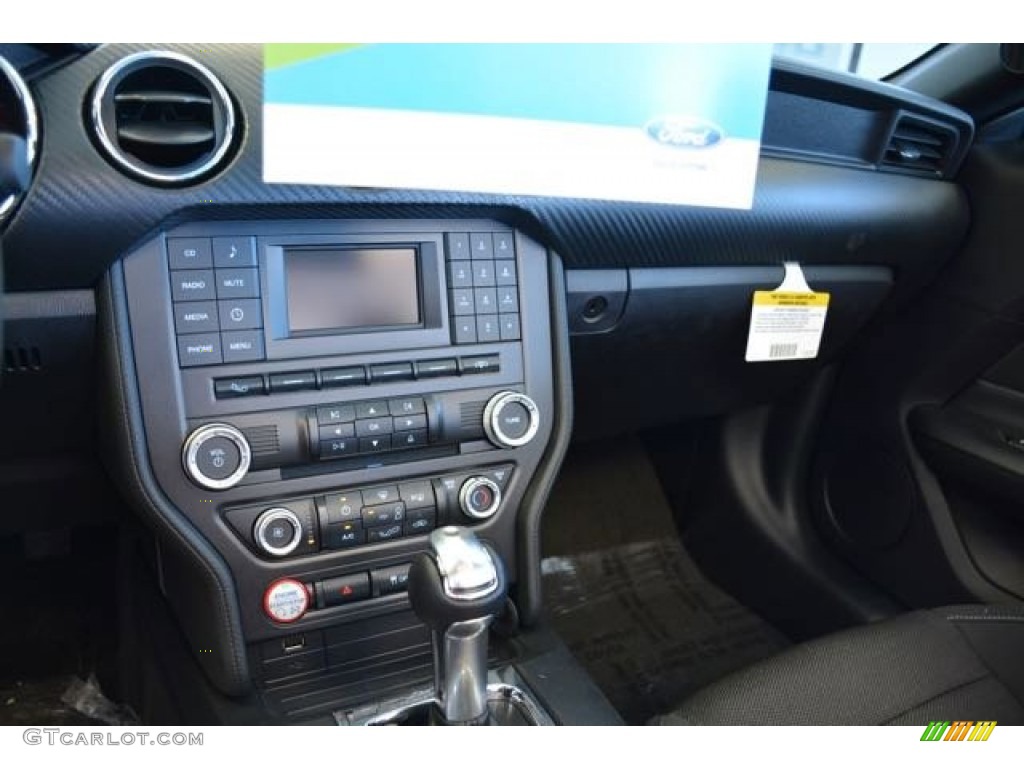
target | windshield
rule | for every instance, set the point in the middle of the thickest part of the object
(873, 60)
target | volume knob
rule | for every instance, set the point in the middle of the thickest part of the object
(511, 419)
(216, 456)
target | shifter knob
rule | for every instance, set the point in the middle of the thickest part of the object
(456, 590)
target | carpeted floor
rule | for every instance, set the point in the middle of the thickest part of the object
(624, 595)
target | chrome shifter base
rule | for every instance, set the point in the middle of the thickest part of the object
(509, 702)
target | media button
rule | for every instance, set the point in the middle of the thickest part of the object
(195, 317)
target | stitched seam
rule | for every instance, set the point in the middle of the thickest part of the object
(961, 617)
(936, 696)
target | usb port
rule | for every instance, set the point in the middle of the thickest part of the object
(293, 643)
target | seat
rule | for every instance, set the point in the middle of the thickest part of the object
(956, 663)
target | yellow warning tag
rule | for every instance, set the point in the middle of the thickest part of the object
(787, 323)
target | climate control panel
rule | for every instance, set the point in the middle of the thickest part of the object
(352, 517)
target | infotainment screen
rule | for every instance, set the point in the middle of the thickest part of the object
(351, 289)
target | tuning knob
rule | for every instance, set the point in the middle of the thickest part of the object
(511, 419)
(216, 456)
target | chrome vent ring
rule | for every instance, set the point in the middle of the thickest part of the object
(163, 118)
(24, 119)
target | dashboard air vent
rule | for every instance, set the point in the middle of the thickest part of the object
(163, 117)
(918, 145)
(17, 117)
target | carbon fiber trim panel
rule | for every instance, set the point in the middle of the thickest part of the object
(81, 213)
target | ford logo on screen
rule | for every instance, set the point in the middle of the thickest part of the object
(684, 132)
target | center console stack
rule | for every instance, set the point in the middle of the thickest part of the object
(304, 402)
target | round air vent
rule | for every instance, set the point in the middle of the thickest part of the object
(17, 116)
(163, 117)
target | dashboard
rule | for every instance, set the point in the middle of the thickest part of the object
(299, 383)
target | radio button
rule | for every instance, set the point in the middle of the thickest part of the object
(382, 374)
(409, 423)
(242, 314)
(375, 444)
(335, 414)
(487, 328)
(481, 244)
(343, 507)
(333, 449)
(384, 533)
(385, 494)
(238, 283)
(419, 495)
(405, 406)
(460, 274)
(189, 252)
(193, 285)
(458, 245)
(384, 514)
(429, 369)
(199, 349)
(195, 317)
(415, 439)
(464, 330)
(374, 427)
(481, 364)
(504, 245)
(336, 431)
(371, 410)
(233, 252)
(240, 386)
(242, 346)
(293, 381)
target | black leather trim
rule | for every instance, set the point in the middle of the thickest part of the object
(193, 576)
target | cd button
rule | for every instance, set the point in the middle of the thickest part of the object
(189, 252)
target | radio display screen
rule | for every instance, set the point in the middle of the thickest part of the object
(351, 289)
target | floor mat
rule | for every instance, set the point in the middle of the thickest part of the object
(639, 615)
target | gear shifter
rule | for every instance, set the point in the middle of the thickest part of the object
(457, 590)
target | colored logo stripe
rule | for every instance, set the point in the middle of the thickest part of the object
(959, 730)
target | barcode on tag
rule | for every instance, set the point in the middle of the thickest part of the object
(782, 350)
